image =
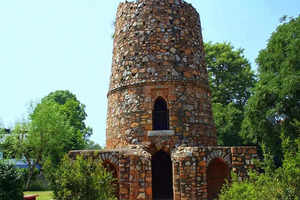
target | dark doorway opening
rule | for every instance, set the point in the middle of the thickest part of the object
(162, 180)
(160, 115)
(217, 173)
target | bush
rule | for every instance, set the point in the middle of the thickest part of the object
(11, 182)
(258, 186)
(282, 183)
(83, 179)
(39, 183)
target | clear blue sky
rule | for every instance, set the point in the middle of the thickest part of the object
(48, 45)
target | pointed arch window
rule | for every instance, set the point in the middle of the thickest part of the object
(160, 115)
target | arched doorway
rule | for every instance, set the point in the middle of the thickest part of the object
(112, 169)
(162, 184)
(160, 115)
(217, 173)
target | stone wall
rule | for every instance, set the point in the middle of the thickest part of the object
(190, 166)
(133, 165)
(242, 160)
(158, 52)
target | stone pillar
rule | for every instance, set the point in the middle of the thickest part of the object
(201, 178)
(176, 179)
(124, 168)
(135, 174)
(189, 174)
(140, 181)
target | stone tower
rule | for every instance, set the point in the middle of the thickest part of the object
(159, 83)
(160, 136)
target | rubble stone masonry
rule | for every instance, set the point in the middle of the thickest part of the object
(158, 55)
(158, 52)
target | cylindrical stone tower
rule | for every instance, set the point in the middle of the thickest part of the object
(159, 83)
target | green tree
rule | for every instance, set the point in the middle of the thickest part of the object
(54, 128)
(83, 179)
(16, 145)
(275, 105)
(65, 104)
(3, 132)
(71, 108)
(231, 81)
(47, 137)
(91, 145)
(228, 120)
(11, 182)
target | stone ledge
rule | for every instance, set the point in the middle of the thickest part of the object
(201, 83)
(161, 133)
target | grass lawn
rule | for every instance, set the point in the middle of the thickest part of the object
(43, 195)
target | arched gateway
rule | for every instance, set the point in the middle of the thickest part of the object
(217, 173)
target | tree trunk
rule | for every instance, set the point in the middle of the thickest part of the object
(30, 174)
(28, 181)
(31, 167)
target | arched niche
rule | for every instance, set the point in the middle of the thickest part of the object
(160, 115)
(217, 172)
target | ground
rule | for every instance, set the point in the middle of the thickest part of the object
(43, 195)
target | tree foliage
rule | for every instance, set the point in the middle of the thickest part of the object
(91, 145)
(83, 179)
(11, 182)
(281, 183)
(3, 133)
(228, 120)
(275, 105)
(231, 80)
(230, 75)
(48, 136)
(54, 128)
(71, 107)
(272, 120)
